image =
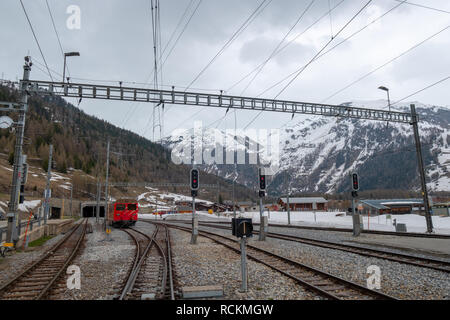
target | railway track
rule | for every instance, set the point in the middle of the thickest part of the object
(380, 232)
(322, 283)
(423, 262)
(37, 281)
(150, 276)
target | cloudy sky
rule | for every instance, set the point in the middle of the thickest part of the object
(116, 44)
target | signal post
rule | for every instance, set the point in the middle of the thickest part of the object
(194, 177)
(262, 220)
(355, 214)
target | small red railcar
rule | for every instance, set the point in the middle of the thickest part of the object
(125, 213)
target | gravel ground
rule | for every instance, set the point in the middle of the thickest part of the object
(209, 263)
(342, 237)
(397, 279)
(103, 266)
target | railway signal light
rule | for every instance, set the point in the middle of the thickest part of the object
(262, 181)
(194, 179)
(355, 182)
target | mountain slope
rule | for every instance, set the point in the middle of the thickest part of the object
(318, 153)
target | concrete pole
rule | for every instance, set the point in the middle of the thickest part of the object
(243, 265)
(106, 185)
(355, 217)
(262, 236)
(47, 187)
(11, 235)
(421, 169)
(288, 209)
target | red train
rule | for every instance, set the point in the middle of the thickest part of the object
(124, 213)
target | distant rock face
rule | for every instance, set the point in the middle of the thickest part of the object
(317, 154)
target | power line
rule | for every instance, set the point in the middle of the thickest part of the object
(286, 45)
(418, 91)
(386, 63)
(320, 51)
(182, 31)
(35, 38)
(272, 54)
(246, 23)
(57, 35)
(335, 46)
(315, 56)
(425, 7)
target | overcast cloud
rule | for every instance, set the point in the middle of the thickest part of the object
(115, 42)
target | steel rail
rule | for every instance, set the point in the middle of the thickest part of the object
(435, 264)
(139, 259)
(134, 272)
(47, 255)
(361, 289)
(389, 233)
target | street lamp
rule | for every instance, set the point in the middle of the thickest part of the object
(388, 98)
(68, 54)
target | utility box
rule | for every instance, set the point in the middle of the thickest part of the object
(241, 227)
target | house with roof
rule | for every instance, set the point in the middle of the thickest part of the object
(391, 206)
(304, 203)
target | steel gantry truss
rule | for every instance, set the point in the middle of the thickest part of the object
(93, 91)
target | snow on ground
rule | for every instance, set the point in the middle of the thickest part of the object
(9, 169)
(414, 222)
(29, 205)
(56, 177)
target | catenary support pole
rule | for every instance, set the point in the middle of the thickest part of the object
(11, 235)
(421, 169)
(97, 209)
(106, 185)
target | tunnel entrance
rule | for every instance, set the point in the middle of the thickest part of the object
(89, 211)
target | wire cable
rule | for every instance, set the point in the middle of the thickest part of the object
(246, 23)
(285, 46)
(36, 39)
(272, 54)
(320, 51)
(386, 63)
(57, 35)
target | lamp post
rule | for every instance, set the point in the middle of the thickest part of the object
(388, 98)
(68, 54)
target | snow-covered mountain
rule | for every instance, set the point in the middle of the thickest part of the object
(317, 154)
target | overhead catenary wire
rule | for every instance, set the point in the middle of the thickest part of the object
(243, 26)
(57, 35)
(334, 47)
(286, 45)
(274, 51)
(419, 91)
(36, 39)
(386, 63)
(310, 61)
(323, 48)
